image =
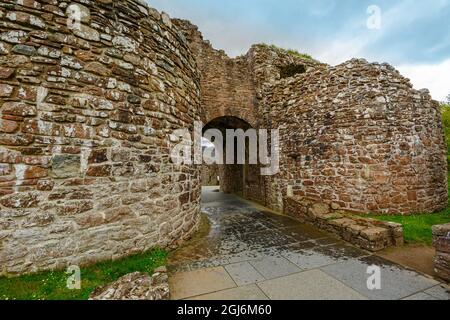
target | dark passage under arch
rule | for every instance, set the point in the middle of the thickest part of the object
(241, 179)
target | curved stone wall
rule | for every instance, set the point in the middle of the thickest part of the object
(90, 94)
(357, 136)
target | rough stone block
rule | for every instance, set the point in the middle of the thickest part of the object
(65, 166)
(375, 234)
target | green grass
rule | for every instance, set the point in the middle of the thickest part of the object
(417, 228)
(52, 285)
(445, 109)
(291, 52)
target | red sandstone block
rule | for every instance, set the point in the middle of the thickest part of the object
(45, 185)
(30, 4)
(442, 265)
(6, 191)
(18, 109)
(16, 140)
(20, 200)
(99, 171)
(77, 130)
(8, 126)
(39, 127)
(5, 73)
(5, 90)
(34, 172)
(27, 93)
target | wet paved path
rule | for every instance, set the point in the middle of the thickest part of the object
(251, 254)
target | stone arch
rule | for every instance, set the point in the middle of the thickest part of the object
(244, 180)
(241, 114)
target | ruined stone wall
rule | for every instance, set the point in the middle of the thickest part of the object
(209, 175)
(88, 107)
(226, 84)
(369, 234)
(87, 112)
(441, 242)
(359, 136)
(233, 87)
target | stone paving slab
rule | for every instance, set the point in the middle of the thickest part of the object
(308, 285)
(421, 296)
(440, 292)
(250, 292)
(274, 267)
(342, 251)
(396, 282)
(249, 250)
(224, 260)
(194, 283)
(308, 259)
(255, 241)
(244, 273)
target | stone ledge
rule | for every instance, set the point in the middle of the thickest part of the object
(441, 241)
(136, 286)
(369, 234)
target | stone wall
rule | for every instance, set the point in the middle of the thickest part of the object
(232, 87)
(87, 111)
(356, 134)
(209, 175)
(226, 84)
(369, 234)
(441, 241)
(91, 92)
(359, 136)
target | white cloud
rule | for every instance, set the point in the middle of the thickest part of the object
(434, 77)
(351, 40)
(341, 50)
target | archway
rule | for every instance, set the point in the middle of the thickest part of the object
(238, 178)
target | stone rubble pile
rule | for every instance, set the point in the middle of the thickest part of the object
(369, 234)
(136, 286)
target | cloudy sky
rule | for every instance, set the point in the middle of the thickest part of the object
(412, 35)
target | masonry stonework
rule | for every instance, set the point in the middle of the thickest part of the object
(209, 175)
(441, 242)
(86, 121)
(358, 135)
(92, 91)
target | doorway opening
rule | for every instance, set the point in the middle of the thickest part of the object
(244, 179)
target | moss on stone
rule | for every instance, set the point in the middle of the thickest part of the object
(291, 52)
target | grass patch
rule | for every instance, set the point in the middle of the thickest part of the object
(51, 285)
(291, 52)
(417, 228)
